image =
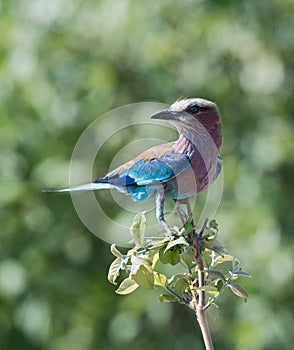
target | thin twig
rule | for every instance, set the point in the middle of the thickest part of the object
(198, 301)
(200, 306)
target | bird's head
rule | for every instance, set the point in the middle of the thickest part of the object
(191, 115)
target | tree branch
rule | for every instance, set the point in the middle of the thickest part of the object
(200, 303)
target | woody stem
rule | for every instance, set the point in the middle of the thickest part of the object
(200, 305)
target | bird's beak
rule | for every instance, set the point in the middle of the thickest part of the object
(165, 114)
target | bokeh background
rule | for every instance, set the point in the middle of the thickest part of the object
(65, 62)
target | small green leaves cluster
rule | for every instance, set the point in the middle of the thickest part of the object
(144, 264)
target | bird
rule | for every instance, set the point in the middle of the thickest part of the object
(175, 170)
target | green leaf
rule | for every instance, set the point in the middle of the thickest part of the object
(163, 241)
(221, 259)
(224, 264)
(188, 227)
(214, 245)
(211, 291)
(141, 271)
(138, 229)
(239, 291)
(166, 298)
(207, 257)
(179, 283)
(179, 241)
(219, 285)
(160, 279)
(213, 224)
(208, 288)
(127, 286)
(216, 274)
(171, 256)
(115, 251)
(144, 277)
(241, 273)
(155, 259)
(187, 258)
(137, 261)
(209, 233)
(114, 270)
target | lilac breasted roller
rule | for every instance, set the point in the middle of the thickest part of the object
(175, 170)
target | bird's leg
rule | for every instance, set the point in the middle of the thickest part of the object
(159, 211)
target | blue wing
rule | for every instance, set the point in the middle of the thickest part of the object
(141, 176)
(146, 172)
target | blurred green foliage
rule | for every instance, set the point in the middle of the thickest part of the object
(65, 62)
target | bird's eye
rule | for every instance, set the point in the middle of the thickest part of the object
(193, 109)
